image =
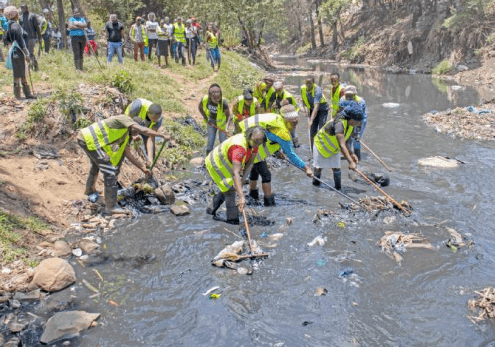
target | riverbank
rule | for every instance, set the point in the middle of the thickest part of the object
(43, 170)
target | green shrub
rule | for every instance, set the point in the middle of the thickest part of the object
(442, 68)
(123, 82)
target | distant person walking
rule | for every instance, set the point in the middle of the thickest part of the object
(152, 32)
(114, 31)
(191, 33)
(77, 24)
(212, 41)
(180, 38)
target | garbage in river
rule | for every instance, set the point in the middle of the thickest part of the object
(438, 161)
(237, 251)
(375, 203)
(467, 122)
(320, 291)
(318, 240)
(484, 304)
(390, 105)
(346, 272)
(394, 243)
(457, 240)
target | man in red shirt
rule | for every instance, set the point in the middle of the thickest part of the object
(228, 165)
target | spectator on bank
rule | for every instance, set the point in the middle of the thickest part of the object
(163, 43)
(114, 31)
(91, 45)
(139, 38)
(29, 23)
(77, 24)
(191, 34)
(152, 32)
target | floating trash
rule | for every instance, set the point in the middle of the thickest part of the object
(483, 304)
(390, 105)
(318, 240)
(438, 161)
(394, 243)
(321, 262)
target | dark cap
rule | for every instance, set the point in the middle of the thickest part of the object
(248, 94)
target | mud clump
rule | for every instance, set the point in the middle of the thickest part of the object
(375, 203)
(466, 122)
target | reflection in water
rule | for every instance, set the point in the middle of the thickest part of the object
(421, 303)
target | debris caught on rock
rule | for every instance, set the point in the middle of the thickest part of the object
(484, 304)
(457, 240)
(394, 243)
(234, 252)
(375, 203)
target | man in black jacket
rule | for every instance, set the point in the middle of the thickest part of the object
(30, 24)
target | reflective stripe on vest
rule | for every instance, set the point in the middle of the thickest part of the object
(328, 145)
(271, 122)
(143, 112)
(240, 108)
(221, 118)
(100, 136)
(335, 100)
(304, 96)
(220, 167)
(179, 32)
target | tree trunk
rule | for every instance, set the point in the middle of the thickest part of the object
(335, 35)
(61, 22)
(312, 29)
(261, 33)
(320, 24)
(77, 4)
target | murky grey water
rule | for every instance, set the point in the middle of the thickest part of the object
(421, 303)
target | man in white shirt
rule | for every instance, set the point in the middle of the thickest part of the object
(152, 31)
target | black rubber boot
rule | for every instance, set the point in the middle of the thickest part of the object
(357, 152)
(17, 90)
(337, 178)
(269, 200)
(111, 205)
(315, 181)
(254, 193)
(232, 210)
(27, 92)
(215, 204)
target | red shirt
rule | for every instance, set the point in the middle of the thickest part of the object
(237, 153)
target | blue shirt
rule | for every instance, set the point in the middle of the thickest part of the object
(77, 32)
(287, 149)
(5, 23)
(317, 99)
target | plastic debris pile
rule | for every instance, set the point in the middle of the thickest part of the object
(395, 243)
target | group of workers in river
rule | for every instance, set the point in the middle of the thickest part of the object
(264, 122)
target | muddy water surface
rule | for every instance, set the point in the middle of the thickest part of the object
(158, 266)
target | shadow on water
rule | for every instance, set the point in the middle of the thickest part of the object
(422, 302)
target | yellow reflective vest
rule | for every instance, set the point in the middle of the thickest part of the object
(258, 91)
(179, 32)
(212, 40)
(218, 164)
(145, 105)
(268, 96)
(271, 122)
(304, 96)
(143, 30)
(221, 117)
(99, 136)
(327, 144)
(240, 108)
(335, 100)
(285, 96)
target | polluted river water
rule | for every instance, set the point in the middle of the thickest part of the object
(157, 267)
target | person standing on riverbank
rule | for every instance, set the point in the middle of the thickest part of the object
(278, 128)
(114, 31)
(138, 37)
(225, 164)
(337, 92)
(106, 143)
(162, 48)
(214, 50)
(244, 107)
(333, 139)
(30, 24)
(350, 95)
(149, 115)
(76, 26)
(152, 28)
(19, 52)
(316, 107)
(216, 113)
(91, 45)
(180, 41)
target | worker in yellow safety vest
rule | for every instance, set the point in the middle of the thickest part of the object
(336, 93)
(350, 95)
(226, 164)
(180, 39)
(106, 143)
(278, 128)
(262, 87)
(216, 113)
(244, 107)
(333, 139)
(316, 106)
(139, 38)
(149, 115)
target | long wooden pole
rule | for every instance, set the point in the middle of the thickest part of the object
(248, 233)
(376, 156)
(223, 131)
(392, 200)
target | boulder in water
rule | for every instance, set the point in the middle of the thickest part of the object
(180, 210)
(165, 194)
(65, 325)
(54, 274)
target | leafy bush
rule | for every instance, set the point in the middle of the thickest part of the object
(36, 113)
(442, 68)
(123, 82)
